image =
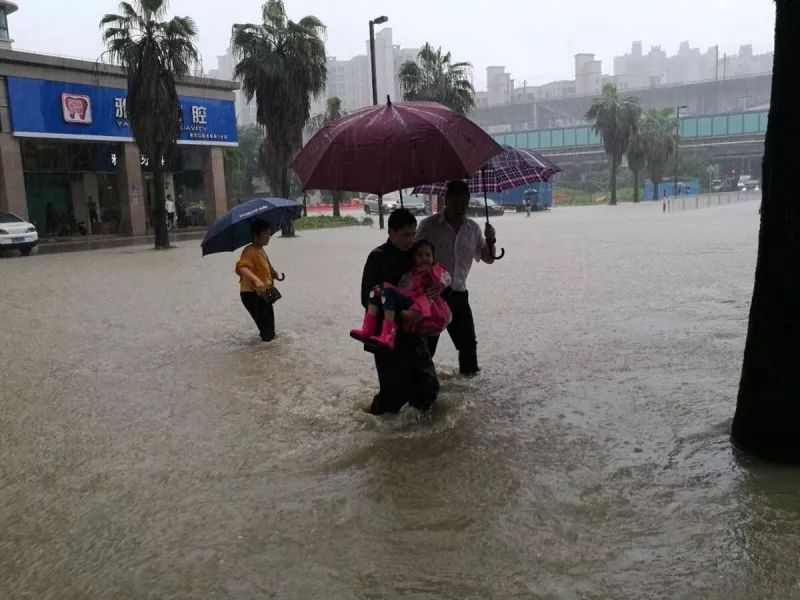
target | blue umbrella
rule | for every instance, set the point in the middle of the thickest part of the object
(234, 229)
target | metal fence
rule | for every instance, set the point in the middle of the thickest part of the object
(711, 200)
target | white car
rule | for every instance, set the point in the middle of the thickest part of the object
(16, 234)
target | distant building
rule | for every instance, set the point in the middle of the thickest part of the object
(632, 71)
(637, 70)
(349, 80)
(245, 112)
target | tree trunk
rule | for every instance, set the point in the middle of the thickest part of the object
(337, 200)
(287, 229)
(614, 164)
(767, 419)
(636, 186)
(655, 188)
(159, 217)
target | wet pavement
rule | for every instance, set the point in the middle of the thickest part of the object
(151, 446)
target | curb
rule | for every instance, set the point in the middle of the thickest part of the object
(84, 245)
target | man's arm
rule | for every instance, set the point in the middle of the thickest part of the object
(372, 276)
(487, 245)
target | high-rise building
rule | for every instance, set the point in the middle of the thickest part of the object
(349, 80)
(245, 111)
(636, 70)
(632, 71)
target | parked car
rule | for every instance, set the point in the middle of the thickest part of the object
(17, 234)
(391, 202)
(477, 208)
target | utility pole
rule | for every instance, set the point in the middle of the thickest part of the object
(677, 142)
(372, 23)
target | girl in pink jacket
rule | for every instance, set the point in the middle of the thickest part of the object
(419, 290)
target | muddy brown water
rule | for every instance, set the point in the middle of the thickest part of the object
(152, 447)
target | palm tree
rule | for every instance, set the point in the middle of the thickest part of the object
(658, 131)
(282, 64)
(434, 77)
(333, 111)
(637, 159)
(616, 120)
(155, 54)
(767, 419)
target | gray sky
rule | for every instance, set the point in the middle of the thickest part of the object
(535, 39)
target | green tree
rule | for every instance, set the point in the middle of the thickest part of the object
(155, 54)
(282, 64)
(242, 163)
(658, 131)
(767, 419)
(616, 120)
(435, 78)
(333, 111)
(637, 159)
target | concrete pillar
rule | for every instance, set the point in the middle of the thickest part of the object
(131, 191)
(214, 184)
(12, 182)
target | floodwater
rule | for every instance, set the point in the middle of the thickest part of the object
(151, 446)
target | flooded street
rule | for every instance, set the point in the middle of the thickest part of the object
(151, 446)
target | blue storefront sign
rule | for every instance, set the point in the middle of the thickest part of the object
(62, 110)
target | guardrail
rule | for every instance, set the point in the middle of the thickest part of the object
(696, 202)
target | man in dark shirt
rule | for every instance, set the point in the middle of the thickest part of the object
(405, 375)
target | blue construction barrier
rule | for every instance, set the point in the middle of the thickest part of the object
(685, 188)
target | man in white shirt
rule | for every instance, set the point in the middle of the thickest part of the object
(459, 241)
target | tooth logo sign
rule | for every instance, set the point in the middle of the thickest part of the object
(76, 108)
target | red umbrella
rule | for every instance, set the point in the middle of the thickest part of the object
(381, 149)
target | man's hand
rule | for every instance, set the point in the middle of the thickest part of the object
(489, 234)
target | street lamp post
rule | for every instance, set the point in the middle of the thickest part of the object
(677, 142)
(372, 23)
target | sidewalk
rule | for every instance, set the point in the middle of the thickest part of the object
(97, 242)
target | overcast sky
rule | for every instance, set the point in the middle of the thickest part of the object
(535, 39)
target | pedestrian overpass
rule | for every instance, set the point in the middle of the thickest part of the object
(731, 140)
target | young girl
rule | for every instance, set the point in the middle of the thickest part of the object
(418, 290)
(256, 277)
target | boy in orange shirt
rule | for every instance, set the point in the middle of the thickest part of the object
(256, 277)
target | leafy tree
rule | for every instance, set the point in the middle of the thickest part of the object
(333, 112)
(436, 78)
(658, 131)
(155, 54)
(616, 120)
(637, 159)
(282, 64)
(242, 163)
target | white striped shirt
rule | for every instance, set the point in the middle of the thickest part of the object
(456, 251)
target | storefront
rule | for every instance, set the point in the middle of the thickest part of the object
(68, 161)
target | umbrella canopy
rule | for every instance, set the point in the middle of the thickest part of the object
(234, 229)
(512, 168)
(381, 149)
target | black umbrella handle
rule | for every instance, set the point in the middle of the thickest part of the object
(501, 255)
(280, 277)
